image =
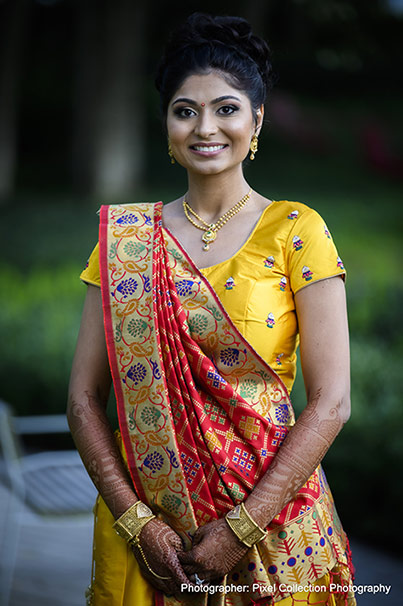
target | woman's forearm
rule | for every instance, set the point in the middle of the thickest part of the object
(301, 452)
(97, 446)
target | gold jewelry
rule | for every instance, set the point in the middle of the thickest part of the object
(211, 229)
(253, 147)
(170, 152)
(136, 543)
(130, 524)
(245, 528)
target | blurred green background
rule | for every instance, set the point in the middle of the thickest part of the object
(79, 126)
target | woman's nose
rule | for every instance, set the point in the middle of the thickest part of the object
(205, 125)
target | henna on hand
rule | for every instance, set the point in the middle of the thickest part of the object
(216, 550)
(94, 439)
(300, 454)
(160, 545)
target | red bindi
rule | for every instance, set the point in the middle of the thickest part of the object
(202, 104)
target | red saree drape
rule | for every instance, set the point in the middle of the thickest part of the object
(201, 414)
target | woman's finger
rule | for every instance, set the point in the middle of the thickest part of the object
(178, 573)
(189, 562)
(190, 569)
(187, 558)
(198, 535)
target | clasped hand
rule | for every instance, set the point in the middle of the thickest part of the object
(157, 557)
(215, 551)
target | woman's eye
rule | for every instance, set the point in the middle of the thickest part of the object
(185, 112)
(227, 109)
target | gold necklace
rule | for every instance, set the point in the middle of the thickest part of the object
(211, 229)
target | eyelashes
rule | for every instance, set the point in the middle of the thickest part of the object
(228, 110)
(188, 112)
(184, 112)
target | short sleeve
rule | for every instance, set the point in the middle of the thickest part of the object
(91, 274)
(311, 252)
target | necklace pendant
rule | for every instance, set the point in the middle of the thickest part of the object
(206, 247)
(209, 236)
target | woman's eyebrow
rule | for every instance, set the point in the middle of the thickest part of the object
(213, 102)
(224, 98)
(184, 100)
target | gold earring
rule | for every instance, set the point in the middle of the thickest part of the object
(253, 147)
(170, 153)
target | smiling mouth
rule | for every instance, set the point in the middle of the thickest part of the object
(207, 148)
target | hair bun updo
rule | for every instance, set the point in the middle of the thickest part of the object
(205, 42)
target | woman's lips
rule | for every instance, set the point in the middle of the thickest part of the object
(208, 150)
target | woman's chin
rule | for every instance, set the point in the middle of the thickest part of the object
(208, 168)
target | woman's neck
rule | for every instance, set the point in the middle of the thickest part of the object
(212, 195)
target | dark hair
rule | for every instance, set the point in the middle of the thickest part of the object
(204, 42)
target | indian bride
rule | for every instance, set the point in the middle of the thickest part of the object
(211, 493)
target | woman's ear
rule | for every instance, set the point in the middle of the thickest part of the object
(259, 119)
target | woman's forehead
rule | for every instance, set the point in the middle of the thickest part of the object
(211, 85)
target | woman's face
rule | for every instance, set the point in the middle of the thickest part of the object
(210, 124)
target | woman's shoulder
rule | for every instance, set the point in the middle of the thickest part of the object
(281, 217)
(307, 247)
(292, 210)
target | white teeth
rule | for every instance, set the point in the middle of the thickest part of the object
(210, 148)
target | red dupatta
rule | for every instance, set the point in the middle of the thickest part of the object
(198, 408)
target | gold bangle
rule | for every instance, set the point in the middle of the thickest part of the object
(245, 528)
(130, 524)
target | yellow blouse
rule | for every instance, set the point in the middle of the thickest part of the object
(289, 248)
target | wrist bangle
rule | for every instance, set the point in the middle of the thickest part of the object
(245, 528)
(130, 524)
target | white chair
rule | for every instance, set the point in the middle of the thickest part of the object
(44, 485)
